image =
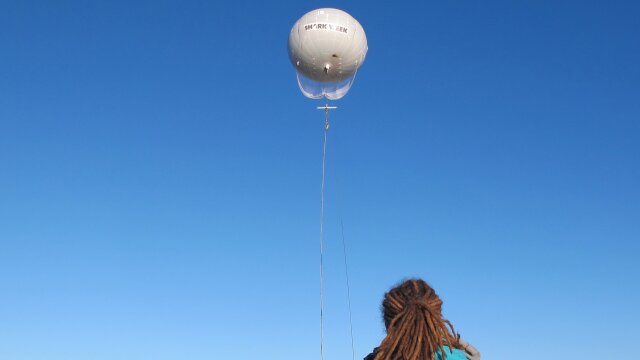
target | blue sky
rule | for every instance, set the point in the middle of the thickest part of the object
(160, 178)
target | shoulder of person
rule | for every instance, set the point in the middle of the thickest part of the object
(372, 355)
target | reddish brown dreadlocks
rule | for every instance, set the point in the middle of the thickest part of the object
(412, 314)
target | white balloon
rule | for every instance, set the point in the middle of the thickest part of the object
(327, 46)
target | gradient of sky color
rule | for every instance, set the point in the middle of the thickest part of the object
(160, 178)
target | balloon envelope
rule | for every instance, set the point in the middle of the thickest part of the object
(326, 47)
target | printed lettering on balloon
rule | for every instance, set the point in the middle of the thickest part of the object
(327, 27)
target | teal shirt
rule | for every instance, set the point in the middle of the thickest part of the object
(457, 354)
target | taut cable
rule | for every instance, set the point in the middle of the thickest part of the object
(324, 160)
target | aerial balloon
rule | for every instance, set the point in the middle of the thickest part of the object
(326, 47)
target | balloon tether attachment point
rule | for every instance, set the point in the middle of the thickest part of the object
(326, 109)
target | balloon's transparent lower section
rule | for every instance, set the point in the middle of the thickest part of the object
(331, 90)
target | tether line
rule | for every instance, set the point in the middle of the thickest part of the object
(346, 274)
(344, 246)
(324, 160)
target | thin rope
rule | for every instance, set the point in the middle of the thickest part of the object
(346, 274)
(344, 249)
(346, 267)
(324, 159)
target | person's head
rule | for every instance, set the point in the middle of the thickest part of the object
(412, 313)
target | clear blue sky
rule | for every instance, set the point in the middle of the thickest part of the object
(160, 178)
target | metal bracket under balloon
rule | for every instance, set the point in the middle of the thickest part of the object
(326, 108)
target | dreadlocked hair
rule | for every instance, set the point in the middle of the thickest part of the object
(412, 314)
